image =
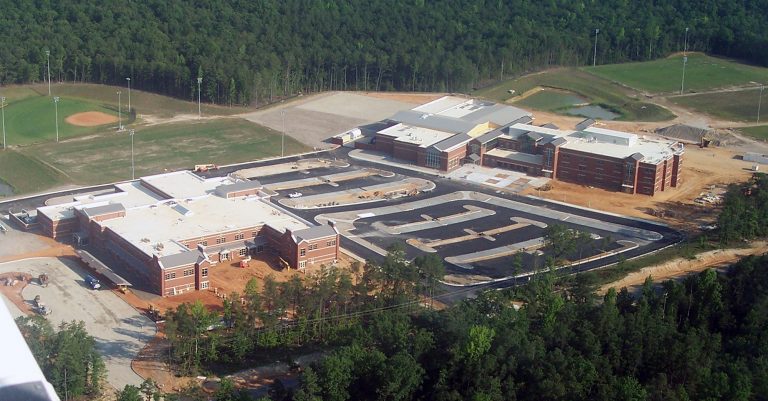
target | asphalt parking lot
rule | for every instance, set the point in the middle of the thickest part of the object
(119, 330)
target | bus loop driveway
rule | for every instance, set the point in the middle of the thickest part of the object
(119, 330)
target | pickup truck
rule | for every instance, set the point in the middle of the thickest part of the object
(93, 282)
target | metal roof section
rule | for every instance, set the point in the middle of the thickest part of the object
(550, 125)
(517, 156)
(440, 105)
(99, 267)
(603, 135)
(187, 258)
(433, 121)
(452, 142)
(497, 114)
(637, 156)
(485, 138)
(102, 210)
(584, 124)
(558, 141)
(224, 189)
(314, 233)
(184, 184)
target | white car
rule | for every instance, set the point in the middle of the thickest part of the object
(295, 195)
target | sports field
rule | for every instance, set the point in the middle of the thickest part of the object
(27, 174)
(595, 90)
(107, 158)
(702, 73)
(738, 105)
(551, 100)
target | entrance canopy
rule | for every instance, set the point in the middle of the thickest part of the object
(101, 268)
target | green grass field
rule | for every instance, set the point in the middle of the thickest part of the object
(702, 73)
(33, 119)
(551, 100)
(758, 132)
(596, 90)
(107, 158)
(731, 106)
(27, 174)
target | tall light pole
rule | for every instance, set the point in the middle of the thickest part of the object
(682, 83)
(685, 44)
(119, 112)
(594, 57)
(129, 94)
(133, 166)
(282, 140)
(5, 142)
(759, 101)
(199, 81)
(48, 56)
(56, 105)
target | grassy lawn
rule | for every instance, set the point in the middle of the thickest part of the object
(596, 90)
(32, 119)
(551, 100)
(733, 106)
(758, 131)
(142, 102)
(107, 158)
(26, 174)
(665, 75)
(15, 93)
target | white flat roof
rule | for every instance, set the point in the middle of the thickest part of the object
(184, 184)
(129, 194)
(437, 106)
(423, 137)
(653, 151)
(167, 222)
(611, 136)
(541, 130)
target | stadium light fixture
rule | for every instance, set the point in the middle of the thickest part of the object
(56, 106)
(199, 81)
(685, 44)
(48, 56)
(594, 57)
(133, 165)
(129, 94)
(5, 142)
(119, 112)
(759, 102)
(682, 83)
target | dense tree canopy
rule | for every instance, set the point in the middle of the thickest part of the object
(249, 51)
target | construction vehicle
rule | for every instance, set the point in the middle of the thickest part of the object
(40, 307)
(283, 264)
(244, 263)
(201, 168)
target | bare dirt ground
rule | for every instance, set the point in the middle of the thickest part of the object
(405, 97)
(149, 120)
(299, 165)
(702, 169)
(90, 119)
(681, 267)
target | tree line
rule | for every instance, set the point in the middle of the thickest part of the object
(744, 215)
(250, 52)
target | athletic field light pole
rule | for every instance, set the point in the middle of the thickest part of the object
(594, 57)
(199, 81)
(56, 105)
(685, 45)
(48, 56)
(133, 165)
(5, 142)
(129, 94)
(119, 112)
(682, 83)
(759, 101)
(282, 140)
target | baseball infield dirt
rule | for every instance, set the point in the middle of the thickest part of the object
(90, 119)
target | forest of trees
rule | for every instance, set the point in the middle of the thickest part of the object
(253, 51)
(745, 211)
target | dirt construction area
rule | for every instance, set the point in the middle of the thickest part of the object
(120, 330)
(90, 119)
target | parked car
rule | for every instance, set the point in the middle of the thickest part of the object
(295, 195)
(93, 282)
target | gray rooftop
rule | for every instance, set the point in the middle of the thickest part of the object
(315, 232)
(452, 141)
(238, 186)
(104, 209)
(498, 114)
(433, 121)
(180, 259)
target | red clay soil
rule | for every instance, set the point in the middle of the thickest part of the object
(90, 119)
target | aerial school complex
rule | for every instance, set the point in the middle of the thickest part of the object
(172, 228)
(452, 131)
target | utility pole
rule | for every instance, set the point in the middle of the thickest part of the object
(682, 83)
(759, 102)
(133, 165)
(119, 112)
(56, 105)
(594, 57)
(5, 142)
(282, 140)
(199, 81)
(48, 56)
(685, 45)
(129, 94)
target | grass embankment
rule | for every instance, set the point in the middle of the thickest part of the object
(702, 73)
(163, 147)
(595, 90)
(26, 174)
(758, 132)
(738, 105)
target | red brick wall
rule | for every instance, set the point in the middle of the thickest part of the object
(405, 151)
(589, 169)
